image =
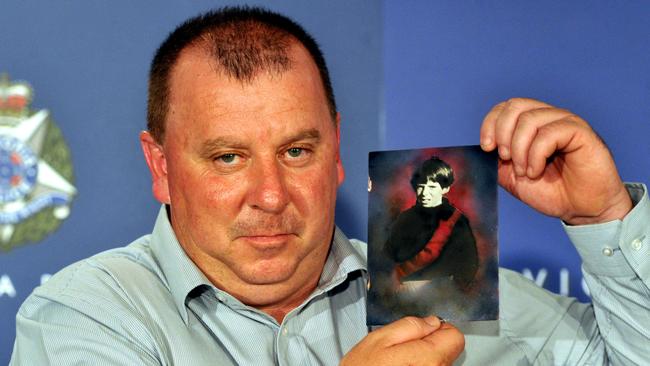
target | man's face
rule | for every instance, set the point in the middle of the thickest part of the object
(251, 172)
(430, 194)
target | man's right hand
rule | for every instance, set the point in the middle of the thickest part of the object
(408, 341)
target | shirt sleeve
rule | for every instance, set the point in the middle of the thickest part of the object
(58, 326)
(617, 271)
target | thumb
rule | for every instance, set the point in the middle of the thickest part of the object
(406, 329)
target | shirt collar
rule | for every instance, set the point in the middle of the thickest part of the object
(343, 259)
(182, 275)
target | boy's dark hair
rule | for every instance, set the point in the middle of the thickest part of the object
(433, 169)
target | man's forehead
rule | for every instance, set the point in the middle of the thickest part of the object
(210, 108)
(196, 72)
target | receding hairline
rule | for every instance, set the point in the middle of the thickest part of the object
(203, 49)
(296, 52)
(252, 40)
(266, 47)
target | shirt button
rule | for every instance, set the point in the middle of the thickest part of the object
(637, 244)
(608, 251)
(284, 331)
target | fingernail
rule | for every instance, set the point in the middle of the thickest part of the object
(433, 320)
(486, 143)
(504, 152)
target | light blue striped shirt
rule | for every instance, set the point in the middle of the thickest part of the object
(148, 304)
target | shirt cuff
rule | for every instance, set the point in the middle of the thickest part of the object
(618, 248)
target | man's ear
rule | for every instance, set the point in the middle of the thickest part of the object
(339, 164)
(157, 163)
(445, 190)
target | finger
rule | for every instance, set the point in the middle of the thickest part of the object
(507, 120)
(406, 329)
(441, 347)
(448, 342)
(525, 131)
(487, 140)
(557, 136)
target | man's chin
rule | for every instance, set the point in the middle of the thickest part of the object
(264, 286)
(271, 272)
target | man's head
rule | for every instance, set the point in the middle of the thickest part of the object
(242, 41)
(431, 181)
(249, 158)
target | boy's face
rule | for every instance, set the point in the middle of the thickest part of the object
(430, 194)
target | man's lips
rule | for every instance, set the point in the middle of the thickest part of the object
(266, 241)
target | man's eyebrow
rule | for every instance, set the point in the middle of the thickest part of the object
(310, 134)
(208, 147)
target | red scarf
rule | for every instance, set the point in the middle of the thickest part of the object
(431, 251)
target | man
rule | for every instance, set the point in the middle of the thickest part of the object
(245, 266)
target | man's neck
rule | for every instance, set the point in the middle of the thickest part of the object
(280, 311)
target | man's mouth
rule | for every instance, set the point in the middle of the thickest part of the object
(264, 242)
(267, 233)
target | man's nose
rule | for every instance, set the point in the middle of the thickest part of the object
(268, 190)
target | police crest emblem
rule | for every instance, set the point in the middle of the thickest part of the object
(36, 175)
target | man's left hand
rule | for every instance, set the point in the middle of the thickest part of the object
(551, 159)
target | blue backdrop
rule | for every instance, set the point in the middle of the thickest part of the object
(446, 63)
(406, 75)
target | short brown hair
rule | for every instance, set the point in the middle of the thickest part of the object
(243, 40)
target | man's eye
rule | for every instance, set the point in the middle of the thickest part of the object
(295, 152)
(227, 158)
(297, 156)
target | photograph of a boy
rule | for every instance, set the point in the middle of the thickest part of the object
(432, 243)
(432, 239)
